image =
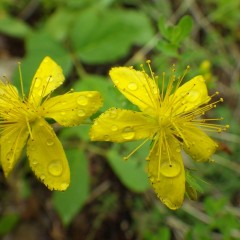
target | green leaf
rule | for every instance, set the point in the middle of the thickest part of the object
(193, 181)
(176, 34)
(182, 30)
(132, 173)
(164, 233)
(214, 206)
(103, 36)
(7, 223)
(80, 131)
(68, 203)
(168, 48)
(164, 28)
(62, 17)
(13, 27)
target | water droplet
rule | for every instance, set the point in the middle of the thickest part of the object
(172, 170)
(128, 133)
(82, 100)
(81, 113)
(152, 179)
(37, 82)
(49, 142)
(178, 149)
(90, 94)
(63, 113)
(209, 150)
(106, 138)
(114, 128)
(9, 155)
(112, 113)
(55, 168)
(193, 95)
(50, 79)
(132, 86)
(155, 91)
(42, 176)
(34, 162)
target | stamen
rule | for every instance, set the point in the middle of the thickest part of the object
(160, 154)
(149, 89)
(21, 80)
(180, 134)
(163, 86)
(134, 150)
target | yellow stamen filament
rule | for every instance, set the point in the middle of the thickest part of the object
(139, 146)
(21, 81)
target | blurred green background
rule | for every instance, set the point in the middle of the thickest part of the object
(109, 198)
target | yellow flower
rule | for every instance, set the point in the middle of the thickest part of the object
(22, 121)
(171, 119)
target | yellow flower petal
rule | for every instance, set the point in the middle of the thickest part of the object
(190, 95)
(199, 146)
(120, 125)
(47, 158)
(138, 87)
(13, 140)
(72, 108)
(48, 77)
(166, 172)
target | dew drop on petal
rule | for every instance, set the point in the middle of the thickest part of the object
(9, 155)
(37, 82)
(90, 94)
(40, 93)
(106, 138)
(193, 95)
(132, 86)
(178, 149)
(128, 133)
(172, 170)
(42, 176)
(55, 168)
(50, 79)
(81, 113)
(155, 91)
(49, 142)
(34, 162)
(114, 128)
(152, 179)
(112, 114)
(82, 100)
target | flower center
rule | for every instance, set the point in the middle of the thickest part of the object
(164, 121)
